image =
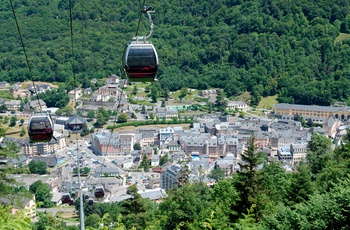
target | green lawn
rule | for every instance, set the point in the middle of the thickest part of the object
(5, 94)
(268, 102)
(342, 37)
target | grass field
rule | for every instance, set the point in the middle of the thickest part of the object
(341, 37)
(5, 94)
(267, 102)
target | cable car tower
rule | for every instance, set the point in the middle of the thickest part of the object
(140, 56)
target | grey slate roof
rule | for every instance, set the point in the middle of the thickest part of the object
(51, 161)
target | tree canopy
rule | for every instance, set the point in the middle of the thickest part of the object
(264, 47)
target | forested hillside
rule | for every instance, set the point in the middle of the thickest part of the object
(266, 47)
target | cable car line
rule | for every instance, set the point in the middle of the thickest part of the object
(25, 53)
(81, 216)
(138, 24)
(40, 125)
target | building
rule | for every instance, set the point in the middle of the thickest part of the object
(12, 104)
(241, 105)
(4, 84)
(75, 123)
(170, 177)
(331, 126)
(75, 94)
(316, 113)
(166, 113)
(106, 143)
(166, 135)
(299, 151)
(155, 160)
(106, 171)
(51, 161)
(57, 143)
(35, 105)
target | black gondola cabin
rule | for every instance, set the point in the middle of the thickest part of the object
(141, 61)
(99, 192)
(40, 128)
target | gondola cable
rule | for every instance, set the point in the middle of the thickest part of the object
(81, 216)
(40, 125)
(25, 54)
(143, 10)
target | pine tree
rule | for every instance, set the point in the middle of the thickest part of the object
(246, 181)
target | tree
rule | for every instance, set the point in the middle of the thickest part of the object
(221, 102)
(3, 108)
(23, 132)
(42, 193)
(91, 114)
(151, 116)
(185, 205)
(102, 116)
(85, 130)
(163, 104)
(155, 150)
(145, 163)
(66, 111)
(164, 159)
(134, 209)
(137, 146)
(13, 121)
(93, 221)
(217, 174)
(21, 122)
(143, 111)
(37, 167)
(13, 221)
(246, 181)
(183, 93)
(122, 118)
(319, 152)
(134, 90)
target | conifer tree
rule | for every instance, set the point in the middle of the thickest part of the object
(246, 181)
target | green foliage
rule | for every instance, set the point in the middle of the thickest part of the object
(3, 108)
(164, 159)
(221, 102)
(13, 221)
(246, 181)
(83, 171)
(91, 114)
(137, 146)
(319, 152)
(38, 167)
(47, 221)
(23, 132)
(13, 121)
(42, 193)
(101, 117)
(122, 118)
(66, 111)
(55, 98)
(217, 174)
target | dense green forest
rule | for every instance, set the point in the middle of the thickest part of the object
(296, 49)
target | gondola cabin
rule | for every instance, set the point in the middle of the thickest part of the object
(66, 199)
(90, 201)
(141, 61)
(99, 192)
(40, 128)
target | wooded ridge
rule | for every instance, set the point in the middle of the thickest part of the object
(296, 49)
